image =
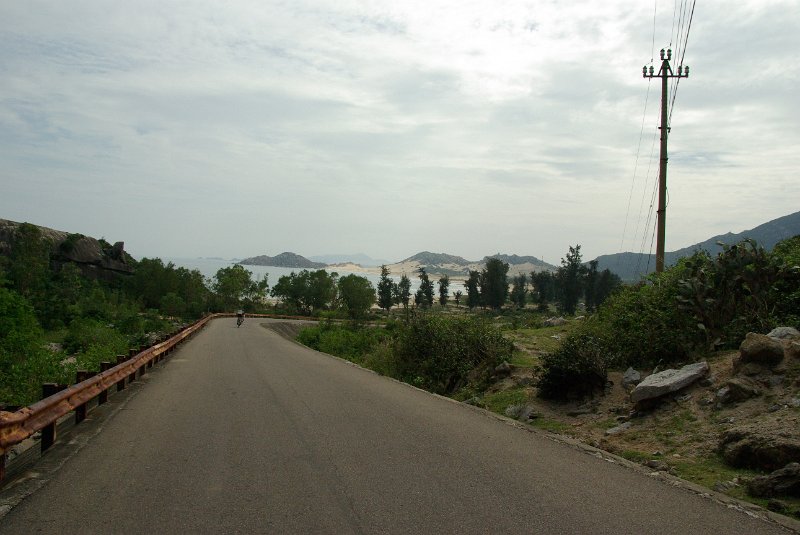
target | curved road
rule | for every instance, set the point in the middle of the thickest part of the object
(242, 431)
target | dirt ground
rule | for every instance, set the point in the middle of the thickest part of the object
(680, 435)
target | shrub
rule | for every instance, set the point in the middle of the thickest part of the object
(578, 368)
(346, 341)
(443, 354)
(85, 333)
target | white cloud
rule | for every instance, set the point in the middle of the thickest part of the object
(389, 127)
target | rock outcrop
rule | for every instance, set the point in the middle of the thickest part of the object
(783, 482)
(95, 258)
(760, 349)
(754, 446)
(668, 381)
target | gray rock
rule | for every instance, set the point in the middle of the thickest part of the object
(668, 381)
(760, 349)
(580, 411)
(792, 350)
(777, 506)
(555, 322)
(656, 464)
(523, 412)
(502, 370)
(761, 448)
(619, 429)
(783, 482)
(775, 380)
(737, 389)
(631, 377)
(784, 333)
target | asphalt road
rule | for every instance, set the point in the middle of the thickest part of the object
(242, 431)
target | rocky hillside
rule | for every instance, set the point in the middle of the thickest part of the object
(95, 258)
(285, 260)
(631, 266)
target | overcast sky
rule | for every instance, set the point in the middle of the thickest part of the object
(390, 127)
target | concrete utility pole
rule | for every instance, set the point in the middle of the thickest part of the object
(664, 73)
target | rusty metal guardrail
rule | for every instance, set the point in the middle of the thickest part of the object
(18, 426)
(43, 415)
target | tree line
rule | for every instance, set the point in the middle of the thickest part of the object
(492, 288)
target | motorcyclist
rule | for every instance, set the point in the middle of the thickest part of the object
(239, 317)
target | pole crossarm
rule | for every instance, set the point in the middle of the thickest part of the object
(665, 73)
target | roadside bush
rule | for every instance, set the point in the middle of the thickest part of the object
(85, 333)
(346, 341)
(443, 354)
(577, 369)
(643, 325)
(732, 294)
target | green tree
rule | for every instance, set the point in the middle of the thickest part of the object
(519, 290)
(458, 295)
(494, 289)
(386, 291)
(307, 292)
(544, 285)
(29, 266)
(425, 292)
(590, 284)
(473, 289)
(569, 280)
(19, 330)
(235, 287)
(172, 305)
(403, 291)
(444, 284)
(356, 295)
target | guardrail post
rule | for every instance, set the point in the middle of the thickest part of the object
(80, 410)
(131, 353)
(49, 431)
(121, 382)
(102, 397)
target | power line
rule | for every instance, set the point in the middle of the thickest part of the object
(633, 178)
(683, 55)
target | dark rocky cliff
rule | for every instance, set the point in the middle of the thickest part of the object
(95, 258)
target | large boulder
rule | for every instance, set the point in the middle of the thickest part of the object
(554, 322)
(783, 482)
(760, 349)
(668, 381)
(784, 333)
(754, 446)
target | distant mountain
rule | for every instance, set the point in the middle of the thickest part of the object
(632, 266)
(426, 258)
(357, 258)
(285, 260)
(514, 260)
(441, 263)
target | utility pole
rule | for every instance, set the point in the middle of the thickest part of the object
(664, 73)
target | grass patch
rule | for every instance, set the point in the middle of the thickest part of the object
(523, 359)
(541, 339)
(635, 456)
(547, 424)
(500, 401)
(707, 471)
